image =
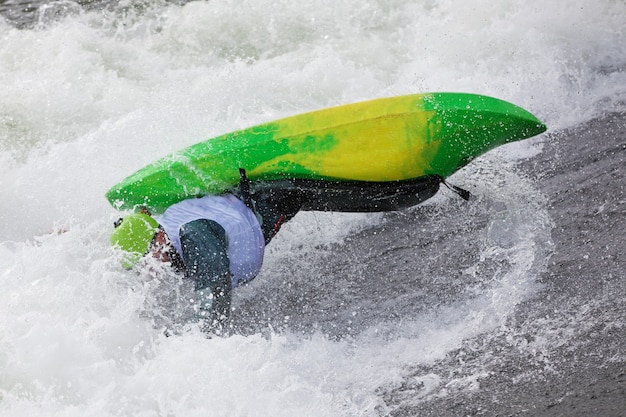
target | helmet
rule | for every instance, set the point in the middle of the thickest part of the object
(133, 235)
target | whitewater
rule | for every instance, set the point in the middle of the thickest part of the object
(349, 309)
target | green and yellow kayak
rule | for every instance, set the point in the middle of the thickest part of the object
(395, 139)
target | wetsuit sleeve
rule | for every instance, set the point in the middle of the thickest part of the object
(205, 253)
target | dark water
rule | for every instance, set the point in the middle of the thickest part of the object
(25, 13)
(583, 172)
(580, 309)
(19, 12)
